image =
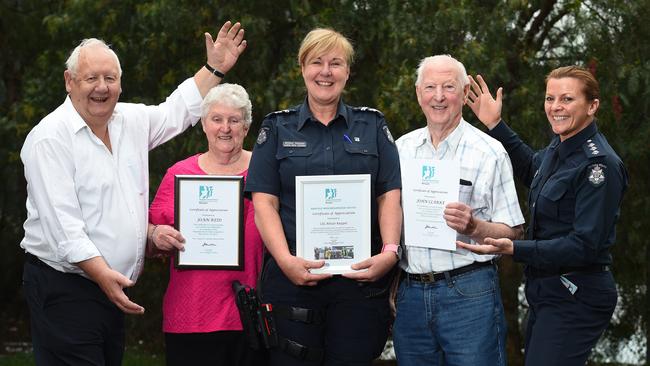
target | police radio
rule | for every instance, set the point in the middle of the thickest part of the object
(256, 318)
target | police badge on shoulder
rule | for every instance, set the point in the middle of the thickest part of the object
(596, 174)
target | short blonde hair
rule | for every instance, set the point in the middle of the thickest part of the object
(322, 40)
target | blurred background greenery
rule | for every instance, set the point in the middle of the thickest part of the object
(512, 43)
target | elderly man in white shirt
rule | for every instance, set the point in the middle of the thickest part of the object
(86, 166)
(449, 308)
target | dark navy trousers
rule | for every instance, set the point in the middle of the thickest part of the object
(562, 327)
(355, 317)
(72, 320)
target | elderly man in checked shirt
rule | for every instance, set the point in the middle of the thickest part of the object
(449, 308)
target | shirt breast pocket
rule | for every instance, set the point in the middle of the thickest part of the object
(363, 158)
(556, 201)
(292, 162)
(136, 171)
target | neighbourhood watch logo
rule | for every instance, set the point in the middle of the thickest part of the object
(206, 192)
(428, 172)
(330, 193)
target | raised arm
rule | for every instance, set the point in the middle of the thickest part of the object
(485, 107)
(222, 54)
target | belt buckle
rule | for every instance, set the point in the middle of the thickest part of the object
(428, 277)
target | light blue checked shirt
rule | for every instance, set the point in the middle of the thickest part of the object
(492, 195)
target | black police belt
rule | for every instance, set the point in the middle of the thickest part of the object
(532, 272)
(437, 276)
(291, 347)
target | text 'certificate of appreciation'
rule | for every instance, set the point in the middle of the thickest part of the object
(209, 215)
(427, 187)
(333, 220)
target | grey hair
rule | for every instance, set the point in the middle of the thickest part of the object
(72, 63)
(462, 73)
(229, 95)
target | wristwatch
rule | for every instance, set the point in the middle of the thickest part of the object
(395, 248)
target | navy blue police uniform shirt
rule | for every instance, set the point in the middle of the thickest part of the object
(576, 188)
(292, 143)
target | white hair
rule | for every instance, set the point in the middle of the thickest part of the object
(461, 72)
(72, 63)
(229, 95)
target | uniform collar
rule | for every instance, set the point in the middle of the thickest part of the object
(574, 142)
(305, 114)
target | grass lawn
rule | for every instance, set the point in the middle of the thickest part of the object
(131, 358)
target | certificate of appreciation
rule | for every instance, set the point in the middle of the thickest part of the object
(209, 214)
(427, 187)
(333, 220)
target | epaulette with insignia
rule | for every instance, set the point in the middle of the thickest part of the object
(367, 109)
(284, 111)
(592, 149)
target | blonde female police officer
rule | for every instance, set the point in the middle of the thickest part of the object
(323, 319)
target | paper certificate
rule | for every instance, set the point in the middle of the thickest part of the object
(333, 220)
(209, 215)
(427, 187)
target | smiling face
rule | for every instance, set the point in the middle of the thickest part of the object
(325, 77)
(225, 129)
(441, 95)
(567, 108)
(96, 87)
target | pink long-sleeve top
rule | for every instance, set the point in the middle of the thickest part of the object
(199, 301)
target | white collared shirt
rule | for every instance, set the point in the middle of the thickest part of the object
(84, 201)
(492, 195)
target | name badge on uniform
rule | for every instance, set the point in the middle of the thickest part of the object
(294, 143)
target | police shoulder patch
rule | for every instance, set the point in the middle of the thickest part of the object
(389, 136)
(262, 136)
(596, 174)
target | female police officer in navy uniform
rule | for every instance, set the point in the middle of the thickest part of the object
(322, 319)
(576, 187)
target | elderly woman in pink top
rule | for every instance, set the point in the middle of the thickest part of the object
(200, 318)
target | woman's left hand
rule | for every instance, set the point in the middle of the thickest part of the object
(377, 266)
(490, 246)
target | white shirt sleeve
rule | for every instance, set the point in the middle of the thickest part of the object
(49, 171)
(180, 110)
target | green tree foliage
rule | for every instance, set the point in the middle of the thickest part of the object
(511, 43)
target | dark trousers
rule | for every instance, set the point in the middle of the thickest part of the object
(72, 321)
(353, 325)
(563, 328)
(227, 348)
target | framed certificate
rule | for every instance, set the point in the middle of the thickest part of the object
(210, 215)
(428, 185)
(333, 220)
